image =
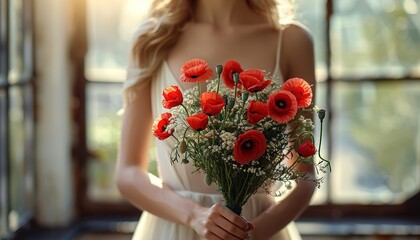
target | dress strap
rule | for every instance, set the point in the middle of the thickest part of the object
(278, 53)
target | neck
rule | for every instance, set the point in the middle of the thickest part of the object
(224, 13)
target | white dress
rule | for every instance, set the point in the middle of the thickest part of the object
(180, 177)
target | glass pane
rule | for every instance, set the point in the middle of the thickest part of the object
(103, 129)
(20, 48)
(376, 148)
(20, 184)
(3, 39)
(111, 25)
(3, 163)
(375, 38)
(312, 14)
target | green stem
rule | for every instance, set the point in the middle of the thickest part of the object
(234, 208)
(175, 138)
(199, 90)
(243, 188)
(328, 165)
(218, 83)
(307, 133)
(289, 169)
(186, 110)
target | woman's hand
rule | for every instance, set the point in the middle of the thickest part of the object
(218, 222)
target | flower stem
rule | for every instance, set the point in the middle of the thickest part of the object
(328, 164)
(218, 83)
(186, 110)
(198, 89)
(234, 208)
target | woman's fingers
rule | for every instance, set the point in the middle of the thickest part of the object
(228, 223)
(221, 232)
(231, 216)
(218, 222)
(211, 236)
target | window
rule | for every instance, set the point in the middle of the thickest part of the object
(16, 116)
(368, 73)
(103, 66)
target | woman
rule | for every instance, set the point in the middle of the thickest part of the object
(182, 206)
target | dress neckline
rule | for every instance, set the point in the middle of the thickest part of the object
(166, 65)
(183, 85)
(275, 74)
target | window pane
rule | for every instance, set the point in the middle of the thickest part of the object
(312, 14)
(375, 38)
(3, 39)
(3, 163)
(110, 28)
(103, 124)
(376, 148)
(20, 48)
(20, 184)
(103, 129)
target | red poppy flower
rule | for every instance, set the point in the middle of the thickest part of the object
(282, 106)
(211, 103)
(196, 70)
(172, 97)
(301, 89)
(198, 121)
(159, 126)
(256, 111)
(249, 146)
(253, 80)
(306, 149)
(229, 69)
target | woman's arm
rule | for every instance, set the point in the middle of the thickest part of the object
(132, 176)
(135, 185)
(297, 61)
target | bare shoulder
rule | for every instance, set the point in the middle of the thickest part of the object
(297, 35)
(298, 52)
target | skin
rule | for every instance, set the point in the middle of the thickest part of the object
(222, 30)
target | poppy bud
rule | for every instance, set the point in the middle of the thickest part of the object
(236, 78)
(219, 69)
(321, 114)
(231, 103)
(183, 146)
(245, 96)
(225, 99)
(208, 180)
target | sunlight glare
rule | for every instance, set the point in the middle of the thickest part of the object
(410, 6)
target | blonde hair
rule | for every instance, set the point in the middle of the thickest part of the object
(166, 20)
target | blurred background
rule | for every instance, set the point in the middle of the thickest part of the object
(62, 64)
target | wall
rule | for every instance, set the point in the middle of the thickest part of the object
(53, 27)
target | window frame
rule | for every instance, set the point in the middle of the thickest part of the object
(24, 82)
(329, 210)
(80, 152)
(4, 119)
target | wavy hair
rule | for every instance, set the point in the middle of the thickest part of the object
(166, 20)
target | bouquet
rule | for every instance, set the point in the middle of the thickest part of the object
(240, 132)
